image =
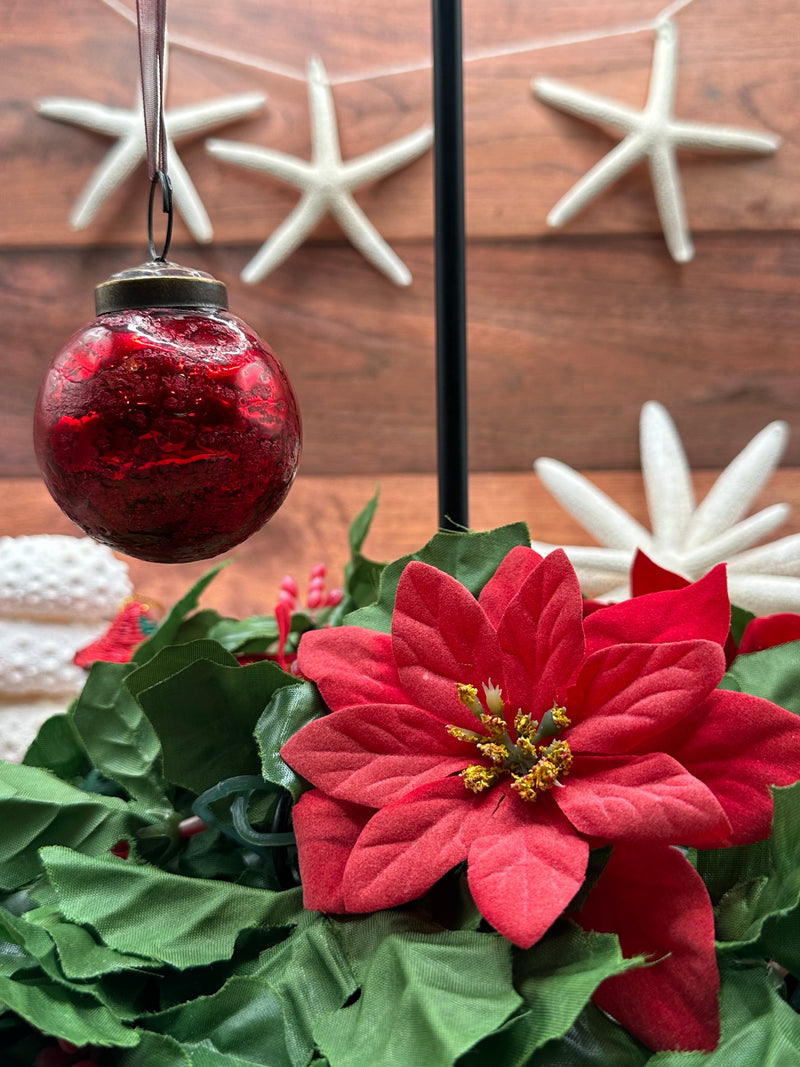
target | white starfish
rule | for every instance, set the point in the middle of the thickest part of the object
(327, 184)
(651, 133)
(130, 149)
(685, 539)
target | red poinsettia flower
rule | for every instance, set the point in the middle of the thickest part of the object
(510, 732)
(769, 631)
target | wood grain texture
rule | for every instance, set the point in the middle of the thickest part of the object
(567, 340)
(569, 333)
(312, 527)
(738, 66)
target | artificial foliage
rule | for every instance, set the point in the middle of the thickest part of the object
(161, 864)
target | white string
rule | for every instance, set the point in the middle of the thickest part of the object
(510, 48)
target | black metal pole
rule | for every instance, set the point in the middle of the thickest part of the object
(449, 242)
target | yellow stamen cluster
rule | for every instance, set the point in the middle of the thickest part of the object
(468, 695)
(533, 766)
(477, 778)
(554, 760)
(560, 717)
(497, 754)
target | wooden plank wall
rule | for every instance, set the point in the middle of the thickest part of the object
(569, 332)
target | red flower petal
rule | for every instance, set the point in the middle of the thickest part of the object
(351, 666)
(699, 611)
(505, 583)
(373, 755)
(640, 798)
(648, 577)
(655, 901)
(525, 871)
(326, 831)
(627, 694)
(739, 745)
(769, 631)
(541, 633)
(441, 638)
(409, 845)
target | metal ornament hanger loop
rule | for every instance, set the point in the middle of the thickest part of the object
(167, 206)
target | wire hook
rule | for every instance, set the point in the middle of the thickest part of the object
(162, 179)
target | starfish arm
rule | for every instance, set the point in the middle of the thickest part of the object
(112, 121)
(739, 484)
(289, 235)
(194, 118)
(593, 509)
(604, 173)
(669, 201)
(324, 128)
(599, 569)
(765, 594)
(284, 167)
(667, 478)
(391, 157)
(780, 557)
(368, 241)
(704, 136)
(665, 64)
(120, 162)
(586, 105)
(187, 200)
(612, 561)
(738, 538)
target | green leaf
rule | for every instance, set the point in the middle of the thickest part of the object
(65, 1013)
(740, 619)
(14, 954)
(360, 526)
(204, 1055)
(361, 575)
(472, 558)
(174, 658)
(758, 1027)
(185, 922)
(168, 630)
(764, 878)
(205, 715)
(773, 674)
(80, 954)
(556, 978)
(156, 1050)
(35, 942)
(243, 1019)
(425, 999)
(57, 747)
(314, 951)
(119, 739)
(290, 708)
(197, 627)
(39, 809)
(256, 633)
(594, 1041)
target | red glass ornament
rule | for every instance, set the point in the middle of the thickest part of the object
(167, 428)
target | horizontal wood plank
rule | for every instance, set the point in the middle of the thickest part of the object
(737, 66)
(567, 340)
(312, 527)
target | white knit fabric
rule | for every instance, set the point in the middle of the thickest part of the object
(57, 594)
